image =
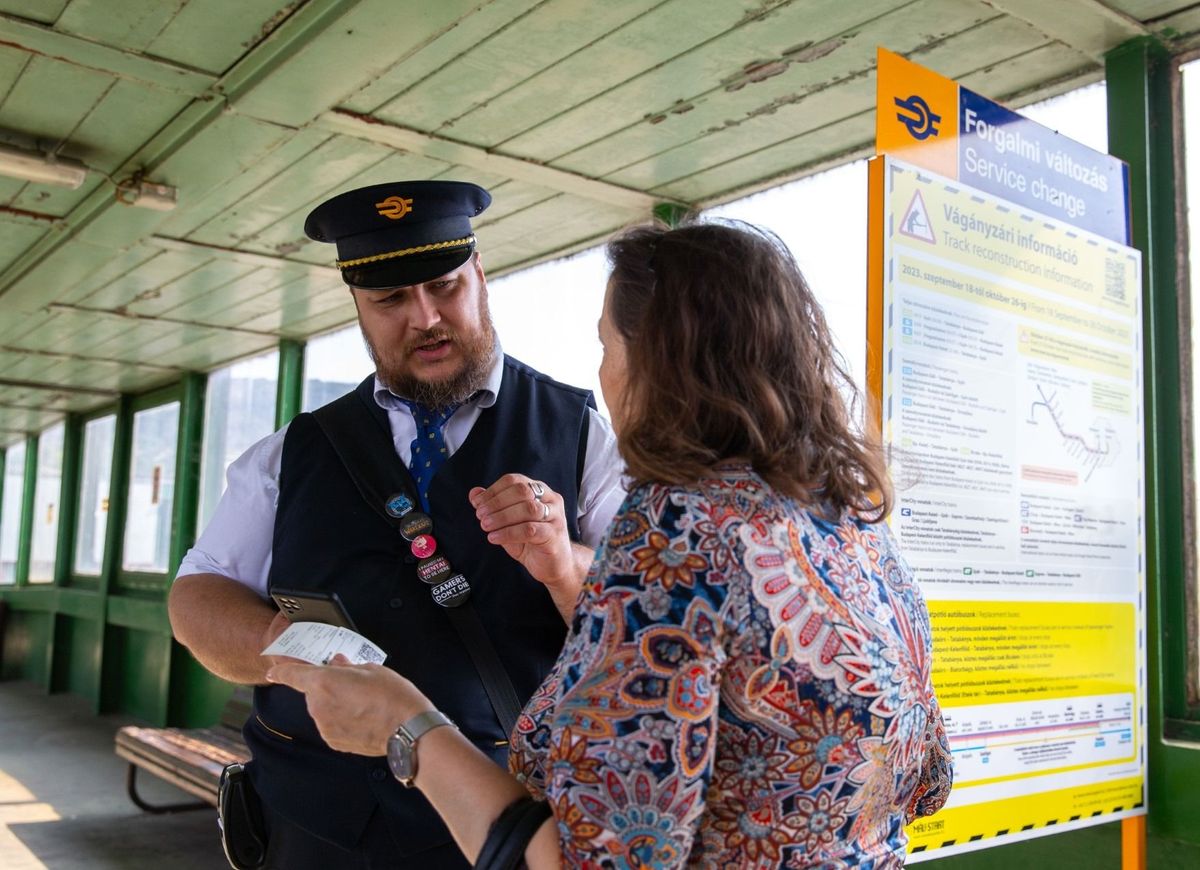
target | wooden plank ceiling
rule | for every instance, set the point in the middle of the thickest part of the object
(578, 115)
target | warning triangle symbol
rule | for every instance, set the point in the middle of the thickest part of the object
(916, 223)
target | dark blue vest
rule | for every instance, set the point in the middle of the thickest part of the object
(327, 537)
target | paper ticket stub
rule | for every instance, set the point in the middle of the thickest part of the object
(318, 643)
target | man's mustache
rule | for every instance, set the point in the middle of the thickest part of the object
(431, 336)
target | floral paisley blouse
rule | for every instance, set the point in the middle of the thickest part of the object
(745, 684)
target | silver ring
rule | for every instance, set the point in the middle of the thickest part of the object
(545, 511)
(538, 490)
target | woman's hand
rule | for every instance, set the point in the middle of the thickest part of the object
(356, 707)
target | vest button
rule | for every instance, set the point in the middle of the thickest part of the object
(379, 774)
(396, 603)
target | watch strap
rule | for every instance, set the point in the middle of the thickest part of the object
(423, 722)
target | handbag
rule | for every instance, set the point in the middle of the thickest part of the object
(240, 818)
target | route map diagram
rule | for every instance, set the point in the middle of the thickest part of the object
(1095, 447)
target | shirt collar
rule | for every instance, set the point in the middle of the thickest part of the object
(484, 398)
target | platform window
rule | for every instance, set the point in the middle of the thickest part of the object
(13, 495)
(334, 364)
(47, 505)
(239, 409)
(92, 525)
(151, 489)
(546, 316)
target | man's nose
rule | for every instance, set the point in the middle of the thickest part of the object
(425, 313)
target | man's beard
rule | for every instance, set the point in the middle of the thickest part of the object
(478, 353)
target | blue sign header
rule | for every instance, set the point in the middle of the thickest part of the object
(1010, 156)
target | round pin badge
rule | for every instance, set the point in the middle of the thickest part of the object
(423, 546)
(434, 570)
(452, 592)
(414, 525)
(398, 505)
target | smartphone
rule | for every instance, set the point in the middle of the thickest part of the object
(312, 605)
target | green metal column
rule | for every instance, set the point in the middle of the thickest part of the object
(187, 468)
(118, 495)
(289, 390)
(672, 213)
(25, 537)
(114, 542)
(68, 499)
(1141, 131)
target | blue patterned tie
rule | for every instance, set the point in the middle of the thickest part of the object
(429, 447)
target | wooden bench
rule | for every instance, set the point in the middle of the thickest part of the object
(190, 758)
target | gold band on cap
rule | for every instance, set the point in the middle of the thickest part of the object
(404, 252)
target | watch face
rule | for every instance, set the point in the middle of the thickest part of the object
(401, 759)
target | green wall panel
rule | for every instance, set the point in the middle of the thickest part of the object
(76, 667)
(134, 665)
(196, 695)
(27, 637)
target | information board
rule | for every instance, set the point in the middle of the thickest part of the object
(1006, 355)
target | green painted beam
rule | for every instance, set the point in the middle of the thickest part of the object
(160, 74)
(80, 603)
(1141, 131)
(289, 389)
(300, 28)
(37, 599)
(140, 613)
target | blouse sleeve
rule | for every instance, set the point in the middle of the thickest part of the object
(936, 776)
(937, 771)
(632, 736)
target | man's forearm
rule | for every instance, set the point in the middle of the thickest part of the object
(223, 624)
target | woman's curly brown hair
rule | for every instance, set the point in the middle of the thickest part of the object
(729, 358)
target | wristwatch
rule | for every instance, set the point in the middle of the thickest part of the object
(402, 746)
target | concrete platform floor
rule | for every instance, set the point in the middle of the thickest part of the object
(62, 795)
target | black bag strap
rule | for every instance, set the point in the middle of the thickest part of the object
(509, 836)
(343, 422)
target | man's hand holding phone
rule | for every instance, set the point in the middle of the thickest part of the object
(314, 627)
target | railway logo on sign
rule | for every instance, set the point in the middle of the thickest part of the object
(920, 120)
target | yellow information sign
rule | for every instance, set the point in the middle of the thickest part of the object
(1005, 355)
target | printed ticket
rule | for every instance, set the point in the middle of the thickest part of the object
(318, 643)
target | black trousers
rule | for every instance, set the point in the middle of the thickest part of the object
(290, 847)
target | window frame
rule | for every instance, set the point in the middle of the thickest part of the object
(123, 581)
(72, 577)
(1179, 592)
(25, 509)
(62, 499)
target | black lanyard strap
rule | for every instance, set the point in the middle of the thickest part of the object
(344, 423)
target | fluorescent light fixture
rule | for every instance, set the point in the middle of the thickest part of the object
(147, 194)
(41, 168)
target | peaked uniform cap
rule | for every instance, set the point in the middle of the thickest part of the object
(400, 233)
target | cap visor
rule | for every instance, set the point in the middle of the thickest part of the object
(403, 271)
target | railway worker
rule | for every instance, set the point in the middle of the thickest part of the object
(511, 478)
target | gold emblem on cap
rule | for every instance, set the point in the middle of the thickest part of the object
(394, 207)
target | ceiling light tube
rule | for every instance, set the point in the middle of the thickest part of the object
(41, 168)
